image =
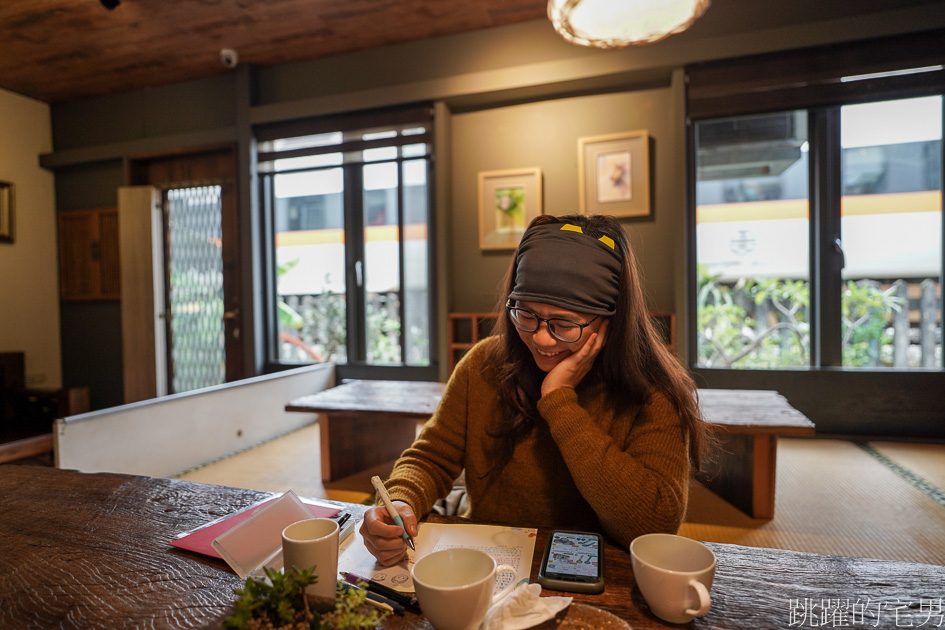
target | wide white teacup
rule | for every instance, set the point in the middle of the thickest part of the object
(454, 587)
(674, 574)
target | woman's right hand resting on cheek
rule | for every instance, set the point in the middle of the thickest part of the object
(382, 537)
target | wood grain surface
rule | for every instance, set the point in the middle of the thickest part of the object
(752, 411)
(61, 50)
(91, 551)
(399, 399)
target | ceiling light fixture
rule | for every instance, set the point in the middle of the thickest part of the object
(621, 23)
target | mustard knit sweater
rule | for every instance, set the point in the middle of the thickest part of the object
(583, 468)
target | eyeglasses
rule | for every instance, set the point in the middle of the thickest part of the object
(561, 329)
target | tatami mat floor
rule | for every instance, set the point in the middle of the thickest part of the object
(880, 499)
(837, 497)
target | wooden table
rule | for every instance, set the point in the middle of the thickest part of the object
(742, 467)
(90, 551)
(365, 423)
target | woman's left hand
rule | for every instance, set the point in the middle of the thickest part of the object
(575, 367)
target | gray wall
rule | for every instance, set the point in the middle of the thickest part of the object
(545, 134)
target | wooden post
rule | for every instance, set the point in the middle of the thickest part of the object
(927, 325)
(901, 339)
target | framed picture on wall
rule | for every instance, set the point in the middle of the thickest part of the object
(508, 201)
(6, 212)
(614, 174)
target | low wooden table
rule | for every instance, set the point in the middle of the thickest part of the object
(742, 468)
(365, 423)
(91, 551)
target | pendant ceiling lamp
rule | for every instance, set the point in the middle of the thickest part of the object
(620, 23)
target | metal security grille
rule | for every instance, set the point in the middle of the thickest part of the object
(195, 295)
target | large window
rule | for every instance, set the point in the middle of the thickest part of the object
(816, 231)
(753, 231)
(349, 215)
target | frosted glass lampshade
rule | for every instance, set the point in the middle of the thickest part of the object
(619, 23)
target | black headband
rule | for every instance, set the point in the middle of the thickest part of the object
(560, 265)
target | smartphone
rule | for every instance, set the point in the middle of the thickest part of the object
(573, 561)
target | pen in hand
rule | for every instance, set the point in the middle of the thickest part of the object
(382, 493)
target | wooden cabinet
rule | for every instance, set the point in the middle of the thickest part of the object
(465, 330)
(88, 255)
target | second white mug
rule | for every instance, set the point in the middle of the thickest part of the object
(455, 587)
(674, 574)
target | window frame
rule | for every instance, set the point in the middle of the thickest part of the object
(354, 224)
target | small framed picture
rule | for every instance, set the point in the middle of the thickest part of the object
(508, 201)
(7, 202)
(614, 174)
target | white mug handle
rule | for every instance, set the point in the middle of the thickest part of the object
(502, 568)
(704, 600)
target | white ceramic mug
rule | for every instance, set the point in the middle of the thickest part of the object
(313, 543)
(674, 574)
(455, 587)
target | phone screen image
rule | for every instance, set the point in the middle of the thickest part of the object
(574, 554)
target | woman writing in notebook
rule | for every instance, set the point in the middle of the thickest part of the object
(573, 415)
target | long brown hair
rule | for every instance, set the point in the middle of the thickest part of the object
(633, 361)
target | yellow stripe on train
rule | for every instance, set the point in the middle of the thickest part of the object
(853, 205)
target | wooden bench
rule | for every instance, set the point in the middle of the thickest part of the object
(742, 468)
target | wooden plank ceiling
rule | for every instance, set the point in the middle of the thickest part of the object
(62, 50)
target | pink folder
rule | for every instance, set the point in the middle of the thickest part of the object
(199, 539)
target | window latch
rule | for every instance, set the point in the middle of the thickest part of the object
(838, 247)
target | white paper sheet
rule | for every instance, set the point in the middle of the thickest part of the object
(508, 545)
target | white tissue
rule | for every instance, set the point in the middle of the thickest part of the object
(523, 608)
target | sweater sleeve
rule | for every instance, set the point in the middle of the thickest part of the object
(635, 487)
(425, 472)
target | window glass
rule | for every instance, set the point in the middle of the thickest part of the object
(308, 217)
(308, 161)
(752, 242)
(382, 288)
(195, 262)
(376, 155)
(891, 230)
(413, 150)
(416, 263)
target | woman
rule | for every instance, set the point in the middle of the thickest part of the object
(573, 415)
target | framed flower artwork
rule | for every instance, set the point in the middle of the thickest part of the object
(614, 174)
(508, 201)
